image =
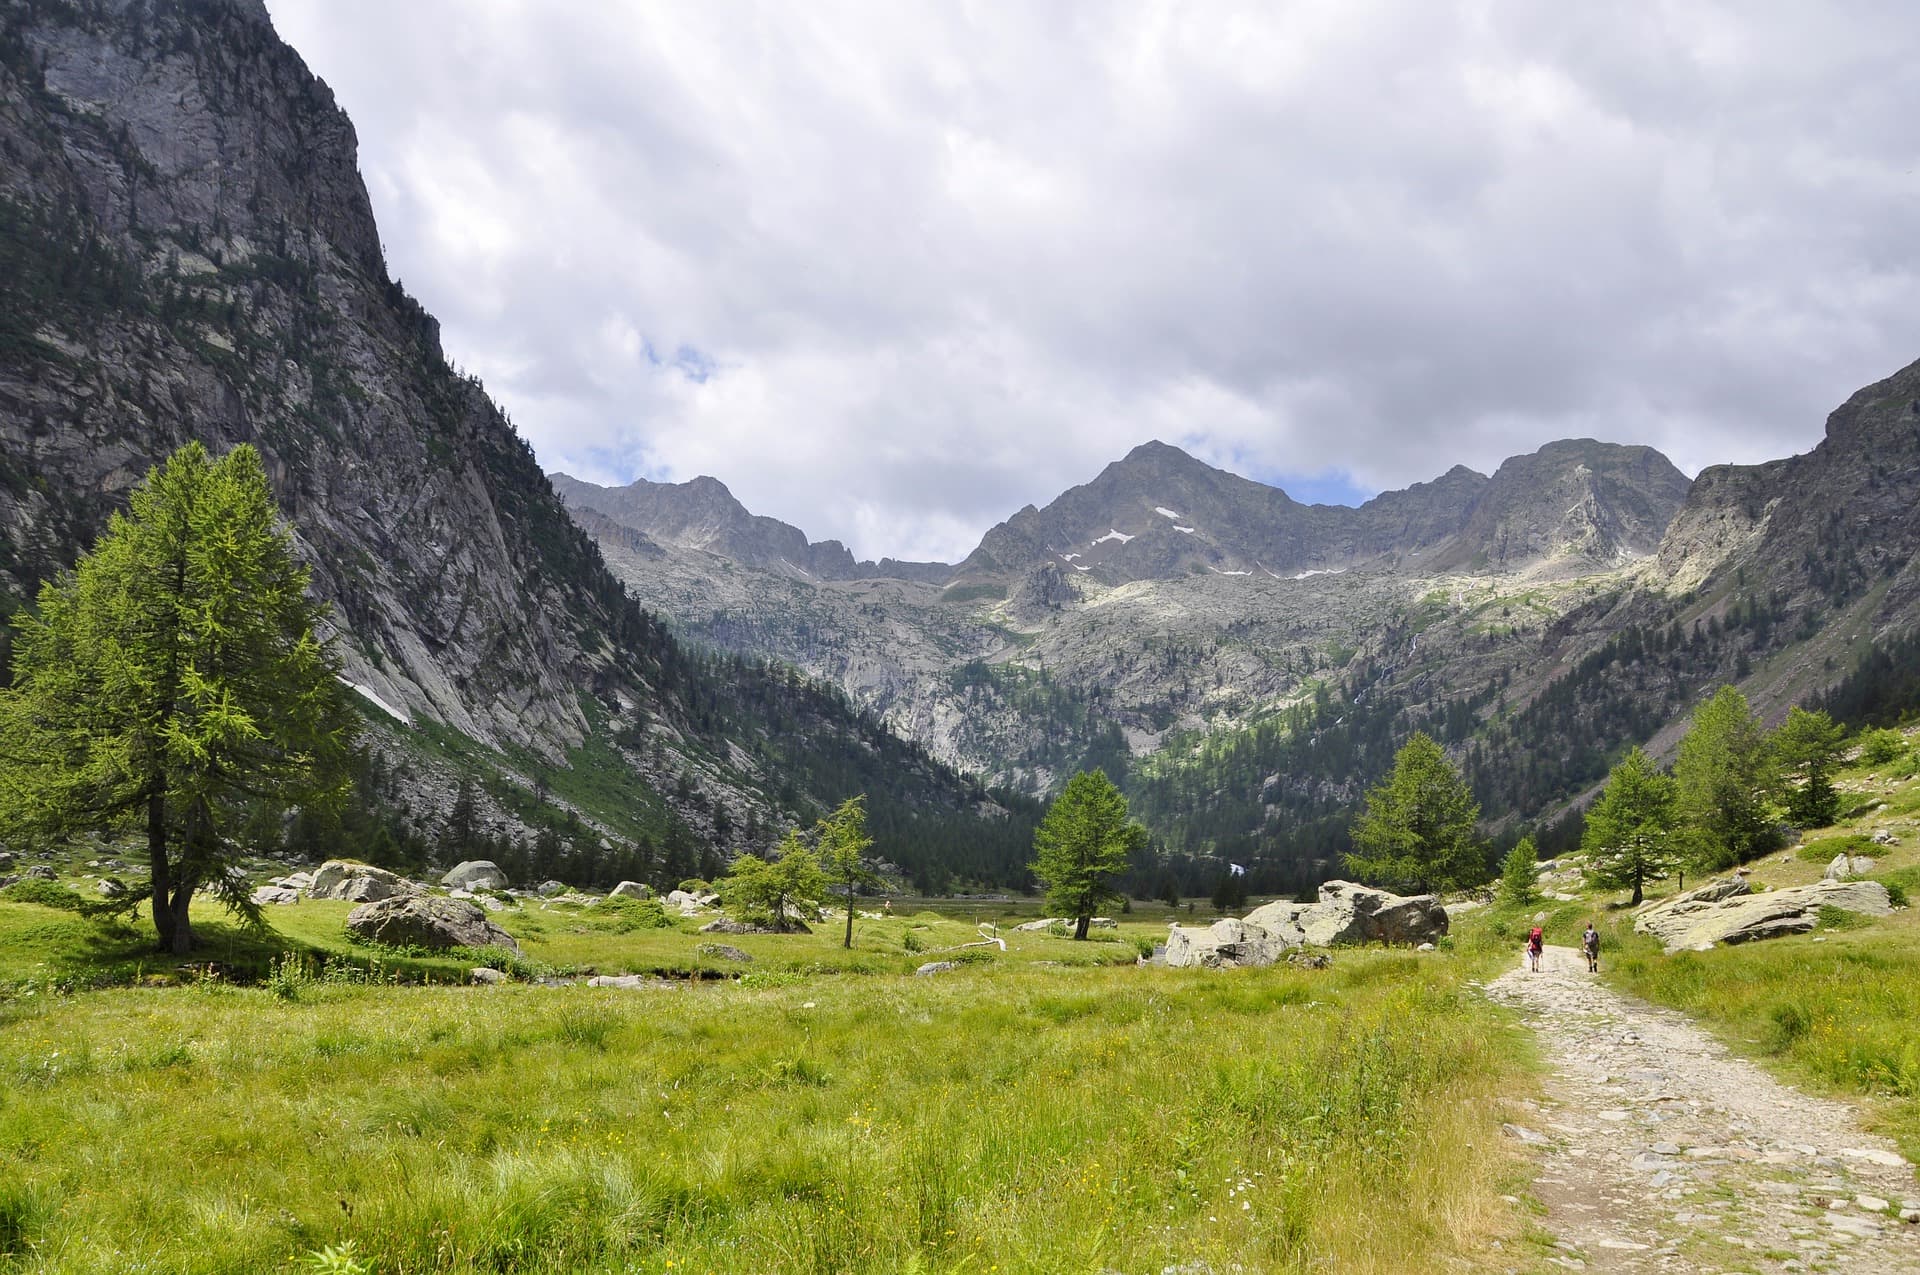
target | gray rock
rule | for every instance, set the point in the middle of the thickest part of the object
(690, 904)
(359, 883)
(727, 925)
(482, 974)
(936, 967)
(419, 920)
(274, 896)
(1522, 1134)
(627, 981)
(41, 872)
(1845, 866)
(631, 890)
(475, 874)
(722, 951)
(1226, 944)
(111, 888)
(6, 858)
(1728, 912)
(1885, 837)
(1310, 960)
(549, 889)
(1349, 913)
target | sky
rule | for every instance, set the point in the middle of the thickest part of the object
(893, 270)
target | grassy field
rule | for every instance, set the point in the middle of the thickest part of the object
(1007, 1116)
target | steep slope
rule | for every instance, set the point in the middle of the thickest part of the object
(187, 251)
(1159, 514)
(702, 514)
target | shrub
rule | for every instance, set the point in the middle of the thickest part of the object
(1878, 747)
(694, 885)
(1823, 849)
(624, 915)
(48, 894)
(912, 942)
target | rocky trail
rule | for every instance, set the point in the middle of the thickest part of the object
(1660, 1151)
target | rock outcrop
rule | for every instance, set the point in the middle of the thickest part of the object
(1730, 912)
(419, 920)
(359, 882)
(1344, 913)
(475, 874)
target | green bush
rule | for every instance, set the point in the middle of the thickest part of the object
(48, 894)
(626, 916)
(1878, 747)
(1823, 849)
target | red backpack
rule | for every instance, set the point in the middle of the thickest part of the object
(1536, 940)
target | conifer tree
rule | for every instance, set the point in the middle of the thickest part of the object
(1418, 828)
(1629, 834)
(1807, 745)
(1724, 783)
(1518, 872)
(172, 680)
(1082, 847)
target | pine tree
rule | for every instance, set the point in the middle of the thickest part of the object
(1629, 833)
(767, 891)
(1808, 744)
(1518, 872)
(1724, 784)
(1418, 827)
(172, 680)
(844, 844)
(1082, 847)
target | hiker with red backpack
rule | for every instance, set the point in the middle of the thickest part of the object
(1536, 944)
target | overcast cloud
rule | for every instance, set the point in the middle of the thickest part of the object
(891, 271)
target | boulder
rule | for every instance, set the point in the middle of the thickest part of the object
(1715, 914)
(1226, 944)
(628, 981)
(1349, 913)
(6, 858)
(1885, 837)
(727, 925)
(420, 920)
(358, 883)
(936, 967)
(111, 888)
(722, 951)
(41, 872)
(475, 874)
(482, 974)
(1044, 923)
(274, 896)
(631, 890)
(548, 889)
(1844, 866)
(690, 904)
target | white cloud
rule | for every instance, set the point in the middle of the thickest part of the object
(893, 271)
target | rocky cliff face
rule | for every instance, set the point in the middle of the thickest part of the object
(702, 514)
(1159, 514)
(187, 251)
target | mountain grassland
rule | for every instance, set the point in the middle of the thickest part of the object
(1036, 1110)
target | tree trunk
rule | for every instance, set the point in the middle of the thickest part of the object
(180, 927)
(849, 942)
(1080, 927)
(157, 861)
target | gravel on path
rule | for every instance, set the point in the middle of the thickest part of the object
(1661, 1151)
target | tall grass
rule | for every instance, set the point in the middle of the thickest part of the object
(993, 1119)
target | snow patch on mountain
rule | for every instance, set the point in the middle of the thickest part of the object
(1165, 512)
(1113, 534)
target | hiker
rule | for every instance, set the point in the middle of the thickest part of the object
(1590, 944)
(1536, 944)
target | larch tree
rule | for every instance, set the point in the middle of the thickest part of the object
(1082, 847)
(769, 891)
(1418, 827)
(844, 843)
(1724, 779)
(1807, 747)
(173, 681)
(1629, 834)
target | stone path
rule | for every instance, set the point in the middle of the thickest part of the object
(1660, 1151)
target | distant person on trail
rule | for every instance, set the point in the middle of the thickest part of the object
(1590, 944)
(1536, 944)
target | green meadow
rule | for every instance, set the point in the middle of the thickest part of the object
(1054, 1107)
